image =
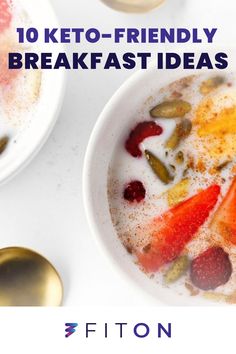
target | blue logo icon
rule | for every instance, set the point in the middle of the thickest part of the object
(70, 329)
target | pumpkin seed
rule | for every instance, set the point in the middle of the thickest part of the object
(179, 158)
(177, 269)
(158, 167)
(182, 130)
(3, 144)
(171, 109)
(174, 139)
(211, 84)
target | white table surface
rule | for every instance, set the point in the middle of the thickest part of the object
(42, 207)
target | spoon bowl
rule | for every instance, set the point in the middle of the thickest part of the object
(28, 279)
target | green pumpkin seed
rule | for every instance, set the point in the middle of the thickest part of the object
(179, 158)
(174, 139)
(158, 167)
(3, 144)
(177, 269)
(171, 109)
(211, 84)
(182, 130)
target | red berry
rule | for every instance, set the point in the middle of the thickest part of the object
(142, 131)
(134, 192)
(211, 269)
(5, 15)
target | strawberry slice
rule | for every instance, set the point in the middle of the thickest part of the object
(171, 231)
(5, 15)
(224, 221)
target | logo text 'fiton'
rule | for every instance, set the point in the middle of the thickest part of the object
(119, 329)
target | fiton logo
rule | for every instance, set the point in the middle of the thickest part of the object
(70, 329)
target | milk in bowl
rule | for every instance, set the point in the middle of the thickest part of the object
(172, 187)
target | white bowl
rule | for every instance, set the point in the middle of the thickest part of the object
(109, 130)
(35, 134)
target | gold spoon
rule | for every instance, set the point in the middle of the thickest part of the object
(28, 279)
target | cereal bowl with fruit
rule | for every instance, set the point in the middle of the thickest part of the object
(160, 185)
(29, 99)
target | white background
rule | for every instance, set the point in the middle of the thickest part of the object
(42, 330)
(42, 207)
